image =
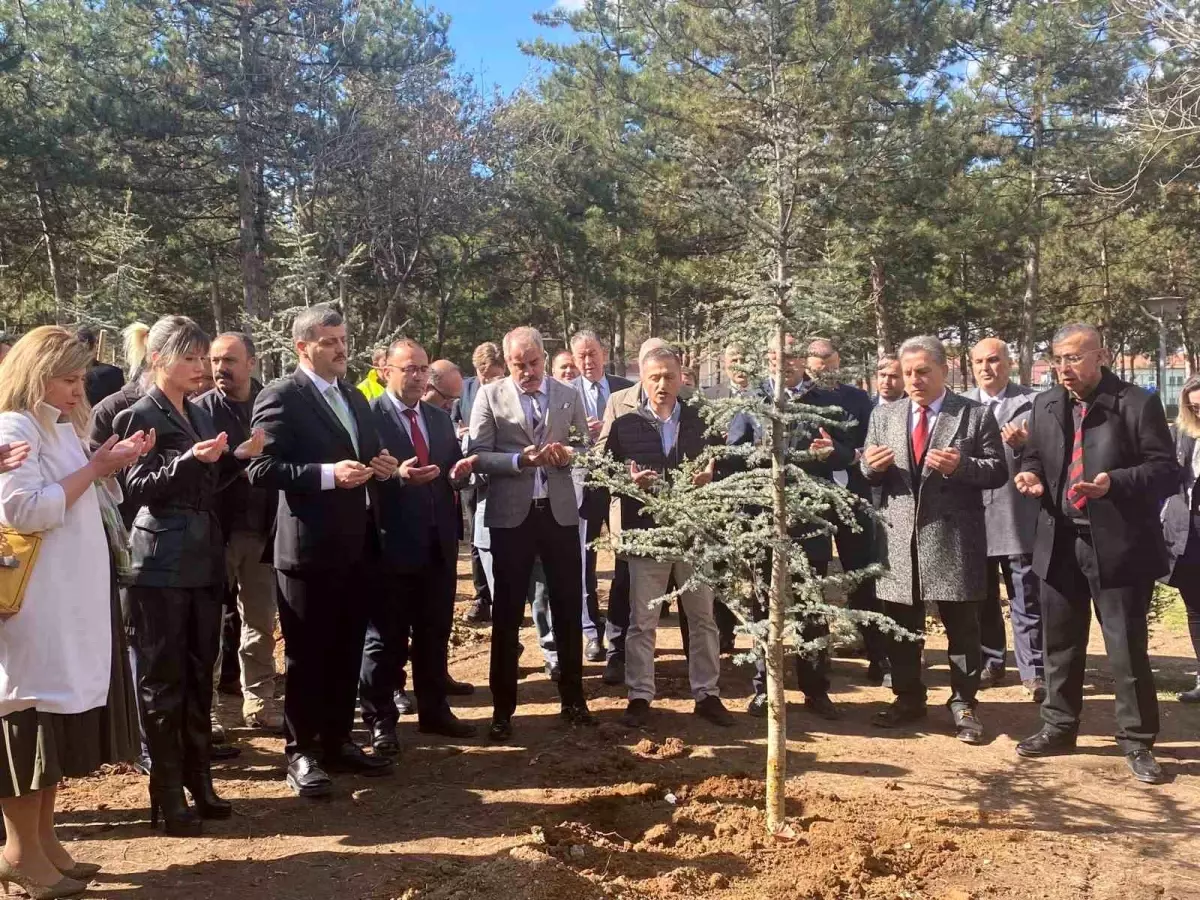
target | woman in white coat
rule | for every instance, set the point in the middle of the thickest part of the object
(56, 651)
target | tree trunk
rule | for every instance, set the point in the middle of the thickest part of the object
(1033, 251)
(1106, 290)
(249, 174)
(214, 292)
(49, 225)
(884, 342)
(618, 350)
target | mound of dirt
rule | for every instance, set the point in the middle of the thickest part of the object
(671, 748)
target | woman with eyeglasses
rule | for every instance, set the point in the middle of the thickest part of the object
(1181, 519)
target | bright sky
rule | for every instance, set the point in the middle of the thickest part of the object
(484, 35)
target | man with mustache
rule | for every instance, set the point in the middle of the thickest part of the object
(247, 516)
(323, 454)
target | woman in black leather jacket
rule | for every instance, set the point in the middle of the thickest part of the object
(175, 595)
(1181, 519)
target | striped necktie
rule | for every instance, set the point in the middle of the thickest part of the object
(1075, 470)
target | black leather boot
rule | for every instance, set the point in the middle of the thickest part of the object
(179, 820)
(208, 804)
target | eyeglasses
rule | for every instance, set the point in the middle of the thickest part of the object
(443, 394)
(1194, 407)
(410, 371)
(1072, 359)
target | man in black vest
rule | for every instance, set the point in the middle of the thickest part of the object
(419, 520)
(1100, 457)
(323, 455)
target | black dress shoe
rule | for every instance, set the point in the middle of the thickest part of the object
(554, 673)
(880, 673)
(1036, 689)
(306, 778)
(349, 757)
(712, 709)
(899, 714)
(757, 706)
(614, 671)
(967, 727)
(458, 688)
(576, 714)
(480, 612)
(384, 740)
(500, 730)
(404, 703)
(222, 752)
(637, 713)
(1144, 766)
(1047, 743)
(821, 705)
(594, 651)
(991, 676)
(450, 726)
(1192, 696)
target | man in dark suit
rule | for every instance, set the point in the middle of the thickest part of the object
(1011, 526)
(595, 386)
(525, 430)
(489, 366)
(419, 530)
(101, 379)
(1101, 459)
(323, 454)
(856, 549)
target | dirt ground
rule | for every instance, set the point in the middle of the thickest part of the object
(562, 814)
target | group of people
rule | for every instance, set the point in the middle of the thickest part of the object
(336, 511)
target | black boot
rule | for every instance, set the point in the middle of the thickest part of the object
(179, 820)
(1192, 696)
(208, 804)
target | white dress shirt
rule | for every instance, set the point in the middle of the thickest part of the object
(401, 408)
(593, 404)
(539, 477)
(914, 415)
(992, 402)
(327, 478)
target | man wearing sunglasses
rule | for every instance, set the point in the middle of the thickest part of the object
(1100, 458)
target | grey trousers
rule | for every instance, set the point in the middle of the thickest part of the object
(648, 579)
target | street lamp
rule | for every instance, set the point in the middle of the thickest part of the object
(1158, 309)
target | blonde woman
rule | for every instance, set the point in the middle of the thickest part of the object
(56, 653)
(1181, 519)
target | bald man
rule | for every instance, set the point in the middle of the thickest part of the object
(1011, 520)
(445, 385)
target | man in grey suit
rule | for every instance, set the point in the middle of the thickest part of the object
(489, 366)
(933, 456)
(1011, 528)
(525, 430)
(595, 386)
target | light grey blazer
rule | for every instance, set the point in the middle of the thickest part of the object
(945, 517)
(499, 430)
(1011, 517)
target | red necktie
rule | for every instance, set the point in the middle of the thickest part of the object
(418, 439)
(1075, 470)
(920, 435)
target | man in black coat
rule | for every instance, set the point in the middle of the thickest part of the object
(1100, 457)
(323, 454)
(419, 528)
(247, 517)
(856, 549)
(101, 379)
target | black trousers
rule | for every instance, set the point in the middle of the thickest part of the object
(963, 649)
(594, 526)
(1068, 594)
(231, 638)
(478, 578)
(513, 553)
(616, 622)
(856, 550)
(323, 616)
(411, 616)
(812, 673)
(175, 634)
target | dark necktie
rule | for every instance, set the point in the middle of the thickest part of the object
(418, 439)
(536, 421)
(920, 436)
(1075, 470)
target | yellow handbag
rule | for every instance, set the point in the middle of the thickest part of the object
(18, 553)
